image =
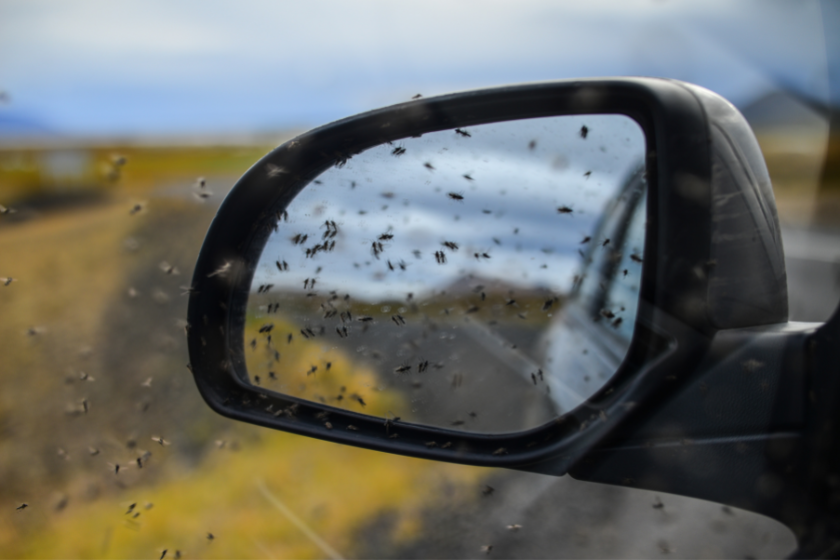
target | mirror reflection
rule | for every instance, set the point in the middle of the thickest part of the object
(482, 279)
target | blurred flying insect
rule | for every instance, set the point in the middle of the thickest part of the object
(169, 269)
(585, 240)
(635, 258)
(222, 270)
(24, 505)
(487, 548)
(468, 177)
(487, 490)
(299, 238)
(6, 280)
(418, 96)
(159, 440)
(606, 242)
(451, 245)
(6, 210)
(584, 131)
(398, 151)
(389, 422)
(532, 144)
(398, 320)
(587, 174)
(274, 170)
(402, 369)
(440, 257)
(358, 399)
(35, 331)
(455, 196)
(376, 248)
(607, 314)
(136, 208)
(266, 328)
(342, 331)
(564, 210)
(514, 527)
(463, 133)
(479, 256)
(282, 266)
(657, 503)
(429, 166)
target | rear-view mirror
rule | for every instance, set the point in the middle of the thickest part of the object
(481, 279)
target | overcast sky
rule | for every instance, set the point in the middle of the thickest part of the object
(167, 67)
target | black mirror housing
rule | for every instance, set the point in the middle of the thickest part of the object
(713, 260)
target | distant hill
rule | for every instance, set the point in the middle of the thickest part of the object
(781, 110)
(17, 125)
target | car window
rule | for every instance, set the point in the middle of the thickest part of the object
(122, 128)
(622, 297)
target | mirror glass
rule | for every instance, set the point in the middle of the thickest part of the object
(481, 279)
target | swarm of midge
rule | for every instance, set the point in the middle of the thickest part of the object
(377, 248)
(331, 230)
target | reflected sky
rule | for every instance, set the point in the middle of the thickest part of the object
(518, 199)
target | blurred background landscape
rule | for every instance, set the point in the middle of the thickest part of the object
(109, 116)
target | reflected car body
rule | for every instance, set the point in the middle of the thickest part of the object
(592, 333)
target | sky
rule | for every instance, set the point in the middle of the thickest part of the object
(152, 68)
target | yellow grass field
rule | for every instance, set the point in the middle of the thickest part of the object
(93, 358)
